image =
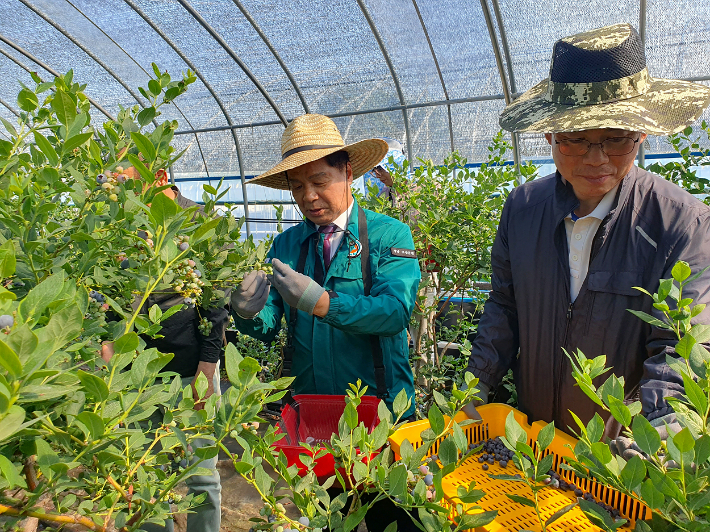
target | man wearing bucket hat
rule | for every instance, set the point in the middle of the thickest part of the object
(571, 247)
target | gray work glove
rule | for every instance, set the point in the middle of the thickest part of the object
(626, 447)
(250, 296)
(296, 289)
(470, 408)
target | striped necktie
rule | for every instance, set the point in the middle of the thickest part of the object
(328, 231)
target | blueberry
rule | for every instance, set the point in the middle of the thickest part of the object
(125, 264)
(197, 273)
(423, 469)
(485, 467)
(101, 179)
(304, 521)
(183, 246)
(434, 457)
(503, 463)
(272, 518)
(18, 282)
(481, 459)
(6, 321)
(491, 460)
(429, 479)
(578, 492)
(142, 234)
(121, 179)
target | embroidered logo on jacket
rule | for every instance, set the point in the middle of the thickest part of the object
(355, 248)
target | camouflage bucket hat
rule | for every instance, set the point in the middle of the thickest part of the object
(598, 79)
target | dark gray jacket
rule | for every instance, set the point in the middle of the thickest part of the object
(652, 224)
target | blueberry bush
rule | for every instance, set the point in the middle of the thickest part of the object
(86, 236)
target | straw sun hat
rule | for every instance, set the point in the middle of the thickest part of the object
(598, 79)
(311, 137)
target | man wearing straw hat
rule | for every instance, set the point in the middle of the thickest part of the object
(571, 247)
(345, 278)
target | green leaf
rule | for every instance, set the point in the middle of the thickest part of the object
(40, 297)
(11, 422)
(436, 420)
(27, 100)
(651, 496)
(146, 115)
(447, 452)
(46, 147)
(646, 437)
(94, 424)
(702, 449)
(146, 174)
(155, 313)
(401, 403)
(354, 519)
(10, 361)
(545, 436)
(145, 146)
(521, 500)
(10, 473)
(599, 516)
(163, 209)
(633, 474)
(619, 410)
(478, 520)
(127, 343)
(595, 428)
(685, 346)
(695, 394)
(398, 481)
(76, 141)
(232, 359)
(64, 106)
(460, 438)
(559, 513)
(513, 431)
(684, 441)
(648, 319)
(94, 386)
(601, 452)
(681, 271)
(350, 416)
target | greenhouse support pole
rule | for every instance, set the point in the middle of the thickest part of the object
(352, 113)
(395, 79)
(45, 67)
(515, 137)
(273, 51)
(642, 34)
(217, 99)
(501, 71)
(213, 33)
(438, 70)
(7, 105)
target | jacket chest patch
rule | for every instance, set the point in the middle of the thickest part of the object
(354, 248)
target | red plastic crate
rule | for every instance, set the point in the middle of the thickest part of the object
(317, 416)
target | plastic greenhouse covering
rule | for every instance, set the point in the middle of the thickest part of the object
(434, 74)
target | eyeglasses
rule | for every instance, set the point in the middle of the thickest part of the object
(613, 146)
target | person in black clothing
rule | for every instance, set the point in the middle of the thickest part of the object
(195, 353)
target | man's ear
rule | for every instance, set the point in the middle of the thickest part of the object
(548, 137)
(349, 173)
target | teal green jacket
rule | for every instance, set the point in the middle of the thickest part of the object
(334, 351)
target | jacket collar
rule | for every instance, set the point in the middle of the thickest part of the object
(308, 228)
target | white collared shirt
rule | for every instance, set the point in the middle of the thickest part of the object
(580, 235)
(341, 225)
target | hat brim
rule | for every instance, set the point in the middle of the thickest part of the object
(364, 155)
(666, 108)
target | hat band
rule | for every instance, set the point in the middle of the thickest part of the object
(310, 147)
(598, 91)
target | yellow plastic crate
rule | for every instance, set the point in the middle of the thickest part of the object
(514, 516)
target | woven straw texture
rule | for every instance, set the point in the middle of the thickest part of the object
(318, 130)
